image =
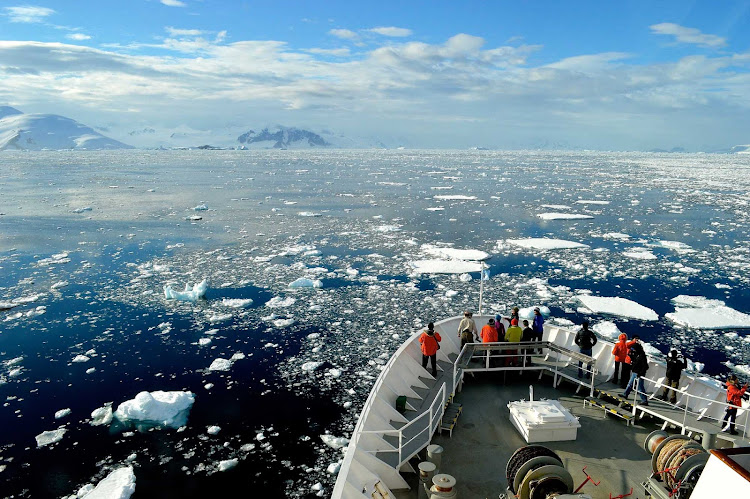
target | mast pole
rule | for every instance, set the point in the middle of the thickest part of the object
(481, 287)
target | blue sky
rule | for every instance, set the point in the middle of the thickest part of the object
(505, 74)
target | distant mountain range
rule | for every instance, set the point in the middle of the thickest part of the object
(282, 137)
(36, 132)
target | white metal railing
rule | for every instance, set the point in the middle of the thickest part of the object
(432, 416)
(658, 386)
(517, 357)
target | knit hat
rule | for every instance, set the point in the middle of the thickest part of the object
(514, 322)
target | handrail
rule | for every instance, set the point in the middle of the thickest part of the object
(440, 395)
(659, 385)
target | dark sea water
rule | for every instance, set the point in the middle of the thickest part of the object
(355, 220)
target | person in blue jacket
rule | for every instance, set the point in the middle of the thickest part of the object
(538, 324)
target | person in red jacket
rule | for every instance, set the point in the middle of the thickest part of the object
(489, 335)
(734, 397)
(620, 351)
(430, 341)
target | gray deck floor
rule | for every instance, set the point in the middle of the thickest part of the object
(484, 439)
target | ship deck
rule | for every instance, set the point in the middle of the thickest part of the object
(484, 438)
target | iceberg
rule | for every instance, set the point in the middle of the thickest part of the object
(621, 307)
(189, 294)
(119, 484)
(157, 408)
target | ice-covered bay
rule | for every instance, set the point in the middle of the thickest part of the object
(315, 351)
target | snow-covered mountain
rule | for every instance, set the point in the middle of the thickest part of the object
(742, 149)
(35, 132)
(281, 137)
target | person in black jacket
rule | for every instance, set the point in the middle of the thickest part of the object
(675, 364)
(585, 339)
(638, 368)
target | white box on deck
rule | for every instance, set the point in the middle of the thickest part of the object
(543, 421)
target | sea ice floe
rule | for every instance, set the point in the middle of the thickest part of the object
(304, 282)
(158, 407)
(543, 243)
(279, 302)
(445, 266)
(50, 437)
(227, 464)
(220, 365)
(62, 413)
(607, 329)
(677, 246)
(119, 484)
(619, 236)
(699, 312)
(200, 207)
(592, 201)
(454, 197)
(454, 253)
(563, 216)
(204, 341)
(101, 416)
(617, 306)
(639, 254)
(80, 358)
(311, 366)
(189, 294)
(334, 442)
(213, 430)
(237, 302)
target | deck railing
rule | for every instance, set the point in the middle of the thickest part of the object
(698, 415)
(425, 425)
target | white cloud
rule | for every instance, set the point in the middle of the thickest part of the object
(183, 32)
(173, 3)
(391, 31)
(688, 35)
(205, 82)
(27, 13)
(343, 52)
(346, 34)
(78, 36)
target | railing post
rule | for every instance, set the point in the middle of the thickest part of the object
(744, 430)
(684, 414)
(400, 445)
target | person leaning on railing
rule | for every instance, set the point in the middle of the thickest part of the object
(734, 397)
(467, 329)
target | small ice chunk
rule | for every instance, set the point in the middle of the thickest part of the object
(81, 358)
(236, 302)
(227, 464)
(50, 437)
(334, 442)
(279, 302)
(204, 341)
(200, 207)
(101, 416)
(62, 413)
(220, 365)
(213, 430)
(304, 282)
(189, 294)
(311, 366)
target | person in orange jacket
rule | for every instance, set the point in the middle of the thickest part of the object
(734, 397)
(430, 341)
(489, 335)
(620, 351)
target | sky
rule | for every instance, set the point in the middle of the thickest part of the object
(625, 75)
